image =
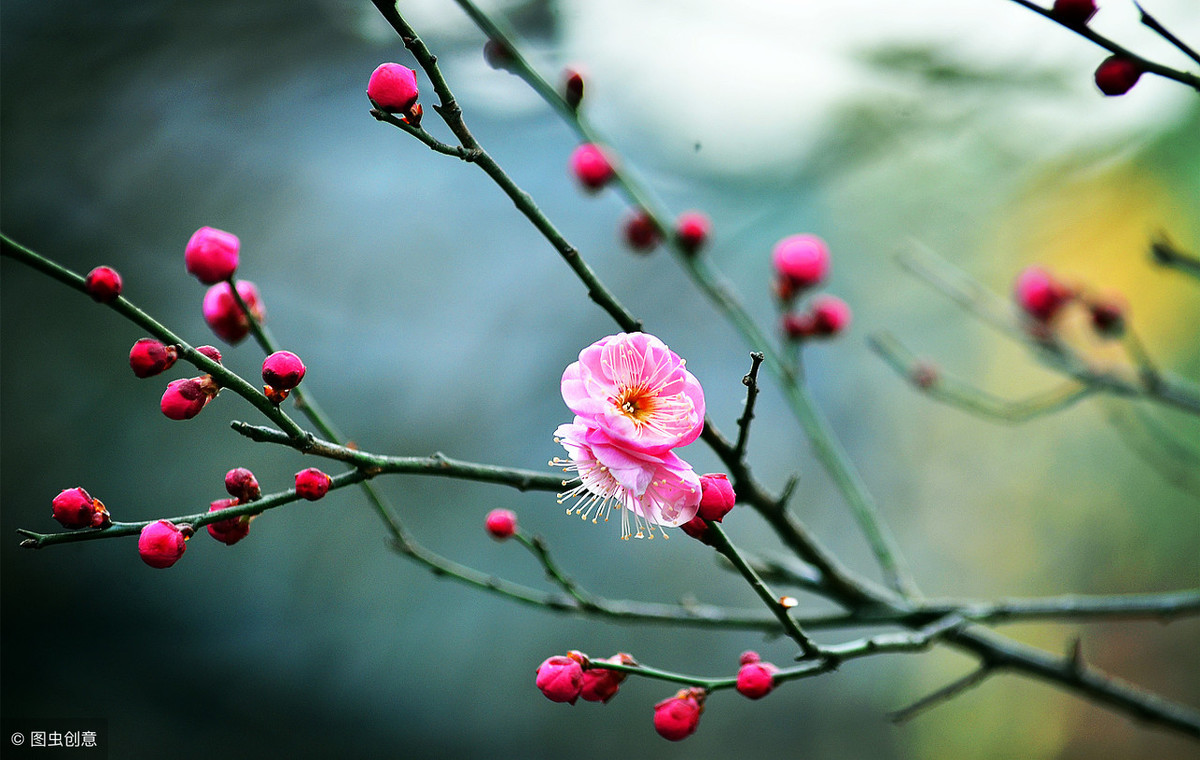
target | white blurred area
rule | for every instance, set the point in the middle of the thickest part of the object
(764, 86)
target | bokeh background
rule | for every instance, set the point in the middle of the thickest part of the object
(433, 317)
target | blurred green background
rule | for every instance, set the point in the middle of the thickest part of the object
(433, 317)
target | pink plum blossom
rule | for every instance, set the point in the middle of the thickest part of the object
(658, 490)
(637, 392)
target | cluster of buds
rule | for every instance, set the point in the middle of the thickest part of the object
(243, 488)
(1042, 298)
(801, 262)
(566, 678)
(282, 371)
(716, 500)
(755, 678)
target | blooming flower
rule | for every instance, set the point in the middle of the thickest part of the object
(637, 391)
(657, 490)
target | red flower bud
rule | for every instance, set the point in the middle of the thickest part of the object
(697, 529)
(161, 543)
(1039, 294)
(501, 523)
(184, 399)
(560, 678)
(241, 484)
(755, 680)
(748, 657)
(225, 317)
(716, 496)
(149, 357)
(211, 352)
(600, 684)
(640, 231)
(801, 260)
(393, 87)
(1117, 75)
(573, 88)
(924, 375)
(692, 229)
(103, 284)
(312, 484)
(231, 530)
(283, 370)
(75, 508)
(591, 166)
(677, 718)
(831, 315)
(211, 255)
(1074, 12)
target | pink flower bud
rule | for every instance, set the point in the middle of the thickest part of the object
(560, 678)
(801, 260)
(75, 508)
(1117, 75)
(283, 370)
(716, 496)
(312, 484)
(692, 229)
(756, 679)
(231, 530)
(572, 88)
(1074, 12)
(676, 718)
(748, 657)
(211, 255)
(241, 484)
(501, 523)
(831, 315)
(393, 87)
(640, 231)
(149, 357)
(161, 543)
(211, 352)
(225, 317)
(591, 167)
(184, 399)
(601, 684)
(103, 284)
(1039, 294)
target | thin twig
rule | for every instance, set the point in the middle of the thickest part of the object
(750, 380)
(947, 692)
(1166, 34)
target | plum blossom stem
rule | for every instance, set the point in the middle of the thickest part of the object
(126, 308)
(778, 606)
(450, 112)
(750, 380)
(1152, 23)
(34, 540)
(1085, 31)
(958, 393)
(1166, 254)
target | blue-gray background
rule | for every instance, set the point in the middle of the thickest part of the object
(432, 317)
